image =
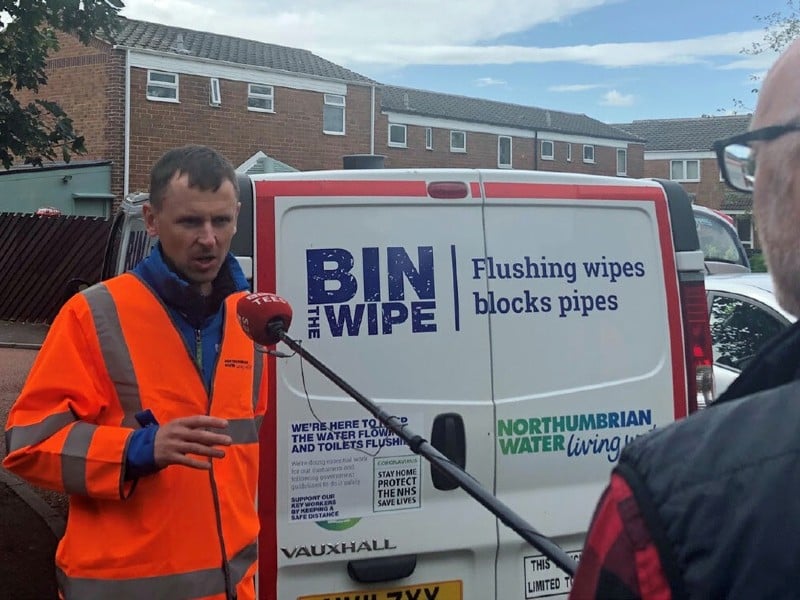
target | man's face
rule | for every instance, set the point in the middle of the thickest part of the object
(195, 228)
(776, 196)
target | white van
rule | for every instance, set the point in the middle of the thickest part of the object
(527, 324)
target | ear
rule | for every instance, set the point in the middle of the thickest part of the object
(236, 217)
(150, 219)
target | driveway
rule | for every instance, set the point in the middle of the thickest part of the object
(31, 520)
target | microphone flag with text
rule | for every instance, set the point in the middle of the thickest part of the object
(265, 317)
(260, 314)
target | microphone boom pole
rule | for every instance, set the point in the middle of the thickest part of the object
(421, 446)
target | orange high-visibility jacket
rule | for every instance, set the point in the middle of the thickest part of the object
(178, 533)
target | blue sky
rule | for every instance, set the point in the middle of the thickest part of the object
(614, 60)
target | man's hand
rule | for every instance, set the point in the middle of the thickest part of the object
(188, 435)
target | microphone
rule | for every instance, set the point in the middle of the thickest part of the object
(264, 317)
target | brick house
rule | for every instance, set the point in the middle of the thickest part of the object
(441, 130)
(680, 149)
(269, 107)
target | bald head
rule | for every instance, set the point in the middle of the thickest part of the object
(776, 194)
(779, 98)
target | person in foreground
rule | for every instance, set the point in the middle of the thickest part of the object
(707, 507)
(144, 405)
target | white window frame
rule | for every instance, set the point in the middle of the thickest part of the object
(259, 96)
(684, 169)
(453, 148)
(547, 155)
(589, 147)
(398, 127)
(165, 85)
(428, 138)
(334, 101)
(747, 243)
(215, 98)
(509, 164)
(623, 152)
(569, 152)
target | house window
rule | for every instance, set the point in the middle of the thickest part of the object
(397, 135)
(548, 150)
(216, 96)
(622, 161)
(428, 138)
(684, 170)
(162, 87)
(504, 152)
(333, 114)
(588, 154)
(458, 141)
(569, 152)
(744, 227)
(260, 98)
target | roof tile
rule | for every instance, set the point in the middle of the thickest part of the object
(477, 110)
(686, 135)
(212, 46)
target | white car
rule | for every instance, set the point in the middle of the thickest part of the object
(744, 315)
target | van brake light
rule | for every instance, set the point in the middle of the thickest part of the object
(697, 340)
(448, 190)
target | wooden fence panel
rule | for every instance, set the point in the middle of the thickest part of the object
(40, 256)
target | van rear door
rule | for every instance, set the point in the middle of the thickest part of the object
(580, 286)
(373, 266)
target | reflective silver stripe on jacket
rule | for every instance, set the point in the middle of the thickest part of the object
(73, 458)
(242, 431)
(258, 373)
(114, 350)
(27, 435)
(193, 584)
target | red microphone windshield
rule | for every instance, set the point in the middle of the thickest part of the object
(258, 312)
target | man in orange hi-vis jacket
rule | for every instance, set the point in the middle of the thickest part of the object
(144, 405)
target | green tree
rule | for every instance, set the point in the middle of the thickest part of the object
(41, 130)
(780, 29)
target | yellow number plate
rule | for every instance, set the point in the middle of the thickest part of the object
(442, 590)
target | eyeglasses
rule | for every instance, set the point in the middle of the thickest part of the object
(737, 161)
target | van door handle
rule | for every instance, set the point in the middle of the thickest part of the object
(387, 568)
(447, 436)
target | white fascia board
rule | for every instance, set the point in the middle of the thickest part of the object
(469, 126)
(191, 65)
(250, 162)
(672, 155)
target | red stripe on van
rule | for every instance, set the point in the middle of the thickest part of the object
(265, 280)
(324, 187)
(565, 191)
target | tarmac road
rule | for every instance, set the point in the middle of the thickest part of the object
(15, 366)
(31, 520)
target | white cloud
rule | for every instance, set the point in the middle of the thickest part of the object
(489, 81)
(353, 27)
(576, 87)
(614, 98)
(374, 34)
(760, 62)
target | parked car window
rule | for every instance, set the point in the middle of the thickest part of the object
(740, 328)
(722, 249)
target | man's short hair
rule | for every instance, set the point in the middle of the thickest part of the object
(206, 168)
